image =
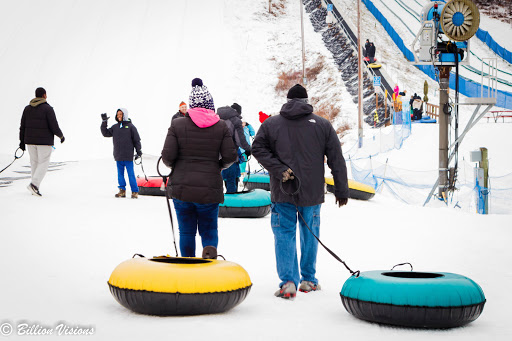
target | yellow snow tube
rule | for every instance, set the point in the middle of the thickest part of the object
(179, 285)
(356, 189)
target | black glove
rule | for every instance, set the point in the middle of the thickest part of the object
(62, 139)
(248, 153)
(22, 146)
(341, 202)
(104, 117)
(138, 155)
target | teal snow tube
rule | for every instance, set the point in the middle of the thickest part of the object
(413, 299)
(257, 181)
(247, 204)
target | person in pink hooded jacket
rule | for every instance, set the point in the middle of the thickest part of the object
(197, 147)
(396, 91)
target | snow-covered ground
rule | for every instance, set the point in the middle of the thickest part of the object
(95, 56)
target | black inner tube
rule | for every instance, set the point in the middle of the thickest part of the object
(411, 274)
(242, 192)
(182, 260)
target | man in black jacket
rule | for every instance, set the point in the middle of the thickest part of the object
(38, 127)
(232, 116)
(181, 112)
(125, 138)
(366, 47)
(371, 53)
(292, 146)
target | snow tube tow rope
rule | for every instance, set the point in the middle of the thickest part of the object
(16, 157)
(353, 273)
(179, 285)
(257, 181)
(167, 200)
(413, 299)
(246, 204)
(356, 190)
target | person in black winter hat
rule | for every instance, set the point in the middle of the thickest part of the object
(237, 107)
(232, 117)
(366, 47)
(293, 145)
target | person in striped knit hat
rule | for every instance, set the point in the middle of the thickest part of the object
(200, 97)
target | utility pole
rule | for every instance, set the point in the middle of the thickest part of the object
(444, 86)
(303, 51)
(359, 77)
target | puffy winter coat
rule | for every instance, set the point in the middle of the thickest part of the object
(177, 115)
(125, 137)
(235, 126)
(299, 139)
(366, 48)
(371, 50)
(197, 147)
(39, 124)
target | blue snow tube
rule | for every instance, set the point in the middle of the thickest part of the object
(413, 299)
(247, 204)
(257, 181)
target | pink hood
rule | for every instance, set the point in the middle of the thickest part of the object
(203, 118)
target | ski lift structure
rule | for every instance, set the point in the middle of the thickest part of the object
(444, 43)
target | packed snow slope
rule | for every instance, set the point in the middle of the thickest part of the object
(59, 250)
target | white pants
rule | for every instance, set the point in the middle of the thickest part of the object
(39, 161)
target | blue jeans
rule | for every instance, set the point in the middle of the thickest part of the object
(284, 225)
(121, 165)
(193, 217)
(230, 175)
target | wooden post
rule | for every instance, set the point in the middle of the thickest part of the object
(485, 165)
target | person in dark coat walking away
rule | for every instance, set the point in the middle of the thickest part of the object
(366, 47)
(371, 52)
(232, 115)
(125, 138)
(197, 147)
(37, 130)
(293, 145)
(181, 112)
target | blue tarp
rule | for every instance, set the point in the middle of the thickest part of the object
(467, 87)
